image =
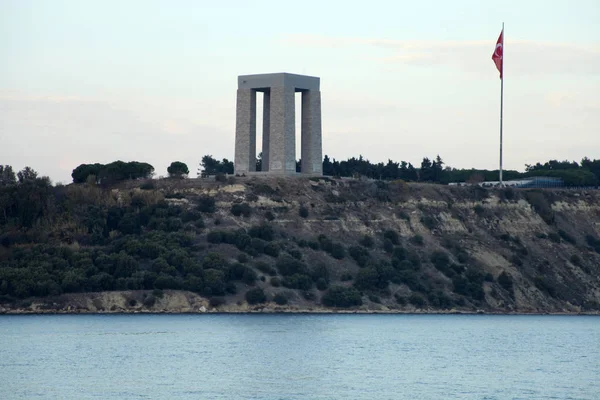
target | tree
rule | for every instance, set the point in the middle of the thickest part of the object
(27, 174)
(7, 176)
(211, 166)
(177, 169)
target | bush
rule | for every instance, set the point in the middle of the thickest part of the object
(256, 296)
(346, 277)
(392, 236)
(325, 243)
(280, 299)
(221, 177)
(303, 212)
(566, 237)
(440, 260)
(242, 258)
(216, 301)
(541, 205)
(401, 300)
(275, 282)
(506, 281)
(287, 266)
(338, 251)
(576, 260)
(417, 240)
(147, 185)
(374, 298)
(206, 204)
(149, 301)
(242, 209)
(359, 254)
(388, 246)
(417, 300)
(429, 222)
(269, 216)
(479, 210)
(264, 232)
(339, 296)
(322, 284)
(554, 237)
(265, 268)
(367, 241)
(298, 281)
(272, 249)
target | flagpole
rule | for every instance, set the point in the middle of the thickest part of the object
(501, 102)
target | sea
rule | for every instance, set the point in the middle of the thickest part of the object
(299, 356)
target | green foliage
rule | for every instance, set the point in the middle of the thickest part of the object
(287, 265)
(303, 212)
(255, 296)
(206, 204)
(280, 299)
(537, 199)
(264, 232)
(429, 221)
(417, 300)
(272, 249)
(367, 241)
(338, 251)
(505, 280)
(359, 254)
(340, 296)
(392, 236)
(566, 237)
(177, 169)
(111, 173)
(210, 166)
(241, 209)
(417, 240)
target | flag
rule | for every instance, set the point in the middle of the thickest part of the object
(498, 51)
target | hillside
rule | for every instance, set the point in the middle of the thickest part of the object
(300, 244)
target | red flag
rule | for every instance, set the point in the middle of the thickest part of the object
(498, 51)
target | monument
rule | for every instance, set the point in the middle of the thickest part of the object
(279, 125)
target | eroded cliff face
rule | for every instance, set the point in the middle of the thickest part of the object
(404, 247)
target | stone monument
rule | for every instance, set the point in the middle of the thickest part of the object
(279, 126)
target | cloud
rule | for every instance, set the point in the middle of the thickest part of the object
(522, 57)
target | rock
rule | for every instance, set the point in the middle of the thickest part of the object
(202, 309)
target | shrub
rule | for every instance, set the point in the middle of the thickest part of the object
(263, 231)
(392, 236)
(338, 251)
(346, 277)
(388, 246)
(403, 215)
(256, 296)
(287, 266)
(505, 280)
(216, 301)
(221, 177)
(271, 249)
(265, 268)
(149, 301)
(416, 300)
(440, 260)
(367, 241)
(325, 243)
(206, 204)
(339, 296)
(399, 253)
(541, 205)
(374, 298)
(295, 253)
(158, 293)
(429, 222)
(147, 185)
(479, 210)
(242, 209)
(298, 281)
(322, 284)
(359, 254)
(401, 300)
(554, 237)
(269, 216)
(275, 282)
(566, 237)
(303, 212)
(417, 240)
(280, 299)
(575, 259)
(242, 258)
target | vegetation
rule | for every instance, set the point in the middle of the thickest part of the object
(177, 169)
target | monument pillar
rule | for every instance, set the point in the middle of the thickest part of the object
(245, 131)
(282, 135)
(311, 146)
(266, 131)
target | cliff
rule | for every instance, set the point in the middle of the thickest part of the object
(300, 244)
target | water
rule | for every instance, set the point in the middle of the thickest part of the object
(299, 357)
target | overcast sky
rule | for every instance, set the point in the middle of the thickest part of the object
(155, 81)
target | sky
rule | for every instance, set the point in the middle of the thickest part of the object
(86, 81)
